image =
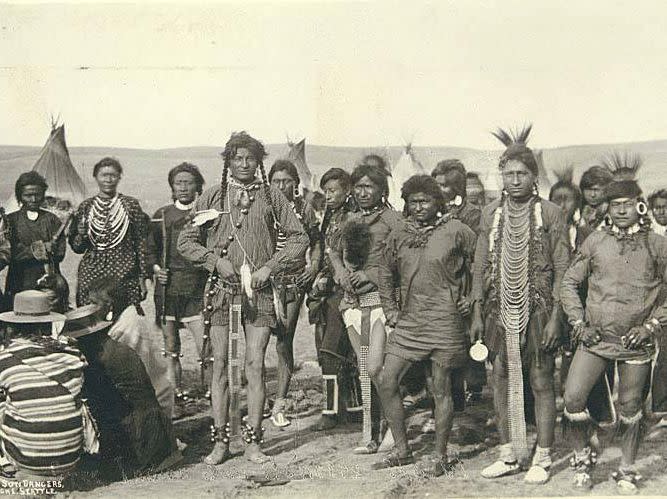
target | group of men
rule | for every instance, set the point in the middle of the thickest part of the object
(397, 299)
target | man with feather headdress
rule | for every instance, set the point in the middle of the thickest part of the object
(622, 318)
(567, 195)
(521, 255)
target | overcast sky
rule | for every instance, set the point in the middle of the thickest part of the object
(363, 73)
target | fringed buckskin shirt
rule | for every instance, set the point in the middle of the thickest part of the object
(624, 287)
(431, 271)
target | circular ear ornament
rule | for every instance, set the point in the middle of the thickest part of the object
(642, 209)
(478, 352)
(458, 201)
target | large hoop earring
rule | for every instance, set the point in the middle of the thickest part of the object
(641, 207)
(535, 189)
(296, 191)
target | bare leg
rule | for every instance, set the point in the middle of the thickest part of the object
(285, 347)
(172, 348)
(388, 381)
(584, 372)
(444, 407)
(219, 391)
(196, 328)
(257, 339)
(542, 384)
(632, 380)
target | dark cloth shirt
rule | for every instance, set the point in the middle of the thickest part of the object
(124, 264)
(24, 268)
(469, 214)
(184, 278)
(431, 278)
(380, 223)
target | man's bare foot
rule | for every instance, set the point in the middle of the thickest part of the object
(254, 454)
(218, 455)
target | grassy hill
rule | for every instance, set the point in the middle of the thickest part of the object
(146, 169)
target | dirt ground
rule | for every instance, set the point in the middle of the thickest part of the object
(306, 463)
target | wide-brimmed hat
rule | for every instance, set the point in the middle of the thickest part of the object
(31, 307)
(83, 321)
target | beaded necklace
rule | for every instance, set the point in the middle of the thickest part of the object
(516, 236)
(108, 222)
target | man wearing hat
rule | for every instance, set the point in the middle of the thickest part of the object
(621, 321)
(44, 439)
(135, 433)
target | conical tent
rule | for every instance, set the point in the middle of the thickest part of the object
(405, 167)
(297, 155)
(55, 165)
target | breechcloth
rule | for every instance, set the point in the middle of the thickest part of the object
(359, 322)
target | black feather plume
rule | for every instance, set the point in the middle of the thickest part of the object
(623, 166)
(513, 136)
(565, 174)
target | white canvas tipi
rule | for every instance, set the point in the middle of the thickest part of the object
(297, 155)
(55, 165)
(406, 166)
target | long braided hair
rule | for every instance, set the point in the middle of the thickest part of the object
(243, 140)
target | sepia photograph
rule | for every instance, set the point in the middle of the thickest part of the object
(338, 249)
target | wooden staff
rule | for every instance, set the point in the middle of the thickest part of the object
(165, 266)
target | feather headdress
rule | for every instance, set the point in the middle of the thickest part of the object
(565, 174)
(513, 137)
(624, 168)
(515, 141)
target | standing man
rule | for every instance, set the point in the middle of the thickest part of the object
(521, 255)
(427, 256)
(31, 229)
(233, 237)
(452, 179)
(180, 285)
(621, 320)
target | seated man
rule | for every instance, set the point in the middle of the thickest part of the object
(135, 434)
(45, 439)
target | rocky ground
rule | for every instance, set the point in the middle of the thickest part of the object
(306, 463)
